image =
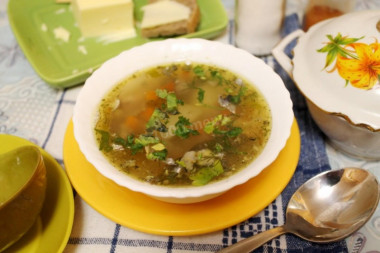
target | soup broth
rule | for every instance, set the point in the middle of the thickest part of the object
(182, 124)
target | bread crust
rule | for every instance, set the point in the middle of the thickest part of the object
(176, 28)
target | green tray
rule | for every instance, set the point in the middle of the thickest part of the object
(61, 64)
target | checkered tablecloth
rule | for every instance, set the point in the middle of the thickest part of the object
(31, 109)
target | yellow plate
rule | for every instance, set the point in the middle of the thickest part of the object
(52, 229)
(140, 212)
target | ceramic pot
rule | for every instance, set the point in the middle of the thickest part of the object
(336, 66)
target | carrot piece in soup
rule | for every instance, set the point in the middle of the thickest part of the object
(133, 123)
(147, 113)
(226, 112)
(169, 86)
(150, 95)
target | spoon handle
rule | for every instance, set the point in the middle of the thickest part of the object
(253, 242)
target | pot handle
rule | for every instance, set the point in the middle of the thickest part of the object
(279, 54)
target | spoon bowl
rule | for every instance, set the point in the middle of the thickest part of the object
(326, 208)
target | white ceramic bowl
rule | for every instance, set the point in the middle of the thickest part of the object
(203, 51)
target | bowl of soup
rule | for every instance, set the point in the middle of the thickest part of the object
(182, 120)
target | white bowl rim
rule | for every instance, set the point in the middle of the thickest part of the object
(195, 50)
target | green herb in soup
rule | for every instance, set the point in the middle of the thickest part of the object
(183, 124)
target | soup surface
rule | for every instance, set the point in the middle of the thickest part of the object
(182, 124)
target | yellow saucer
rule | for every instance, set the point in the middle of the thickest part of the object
(142, 213)
(52, 229)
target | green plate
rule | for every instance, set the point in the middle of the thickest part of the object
(63, 64)
(52, 229)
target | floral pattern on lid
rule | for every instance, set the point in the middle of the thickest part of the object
(336, 66)
(357, 63)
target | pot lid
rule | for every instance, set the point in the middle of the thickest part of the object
(337, 67)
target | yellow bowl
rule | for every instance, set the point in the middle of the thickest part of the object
(22, 192)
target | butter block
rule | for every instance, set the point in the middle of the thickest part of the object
(104, 17)
(164, 12)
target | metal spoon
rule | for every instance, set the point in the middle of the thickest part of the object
(327, 208)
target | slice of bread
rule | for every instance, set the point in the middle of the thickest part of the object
(176, 28)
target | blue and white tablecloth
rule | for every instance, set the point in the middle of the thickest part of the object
(31, 109)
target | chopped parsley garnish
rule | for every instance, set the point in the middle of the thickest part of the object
(222, 125)
(182, 128)
(104, 140)
(206, 174)
(157, 121)
(201, 95)
(236, 99)
(199, 71)
(216, 75)
(146, 140)
(157, 150)
(172, 101)
(218, 148)
(162, 93)
(130, 143)
(218, 121)
(157, 155)
(233, 132)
